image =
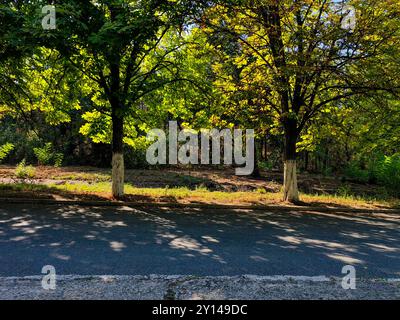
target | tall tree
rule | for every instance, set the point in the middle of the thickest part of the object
(301, 56)
(109, 42)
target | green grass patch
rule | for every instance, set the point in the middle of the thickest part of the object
(82, 176)
(199, 195)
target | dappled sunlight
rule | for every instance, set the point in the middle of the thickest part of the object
(345, 259)
(354, 235)
(110, 224)
(186, 243)
(258, 259)
(168, 232)
(55, 244)
(61, 256)
(382, 248)
(366, 219)
(330, 245)
(117, 246)
(289, 239)
(19, 238)
(210, 239)
(125, 240)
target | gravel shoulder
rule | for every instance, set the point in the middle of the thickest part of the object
(197, 288)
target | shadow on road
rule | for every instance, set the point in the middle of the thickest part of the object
(128, 241)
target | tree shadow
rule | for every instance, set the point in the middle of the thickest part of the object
(193, 241)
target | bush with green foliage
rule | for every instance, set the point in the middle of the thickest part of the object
(387, 171)
(25, 172)
(5, 150)
(58, 160)
(266, 165)
(356, 173)
(380, 169)
(44, 154)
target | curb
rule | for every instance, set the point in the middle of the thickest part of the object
(191, 206)
(277, 278)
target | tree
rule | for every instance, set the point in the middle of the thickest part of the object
(32, 79)
(109, 43)
(301, 58)
(15, 44)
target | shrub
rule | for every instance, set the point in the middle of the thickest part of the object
(344, 191)
(382, 170)
(5, 150)
(44, 154)
(387, 171)
(355, 173)
(24, 172)
(262, 191)
(266, 165)
(58, 160)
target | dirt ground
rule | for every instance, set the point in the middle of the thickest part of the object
(187, 186)
(213, 180)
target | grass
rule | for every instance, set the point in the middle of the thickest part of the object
(183, 186)
(82, 176)
(102, 190)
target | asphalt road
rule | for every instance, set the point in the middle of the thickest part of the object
(126, 241)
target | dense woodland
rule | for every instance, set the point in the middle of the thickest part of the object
(322, 95)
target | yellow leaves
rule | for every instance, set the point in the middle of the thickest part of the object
(241, 61)
(373, 37)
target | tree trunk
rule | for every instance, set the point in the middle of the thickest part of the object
(117, 118)
(118, 168)
(306, 161)
(291, 191)
(256, 172)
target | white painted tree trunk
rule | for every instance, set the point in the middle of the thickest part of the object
(291, 191)
(118, 175)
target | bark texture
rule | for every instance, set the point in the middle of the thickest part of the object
(291, 191)
(118, 175)
(118, 167)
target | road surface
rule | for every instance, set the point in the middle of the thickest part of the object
(126, 241)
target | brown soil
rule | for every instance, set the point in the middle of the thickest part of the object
(213, 180)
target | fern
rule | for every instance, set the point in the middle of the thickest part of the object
(44, 154)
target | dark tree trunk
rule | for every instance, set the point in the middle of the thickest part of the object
(306, 160)
(256, 172)
(118, 167)
(291, 192)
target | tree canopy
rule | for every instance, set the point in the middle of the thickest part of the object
(302, 73)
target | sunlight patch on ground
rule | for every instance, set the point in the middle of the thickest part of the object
(210, 239)
(345, 259)
(292, 240)
(187, 243)
(117, 246)
(382, 248)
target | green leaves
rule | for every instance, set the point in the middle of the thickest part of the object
(5, 150)
(44, 154)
